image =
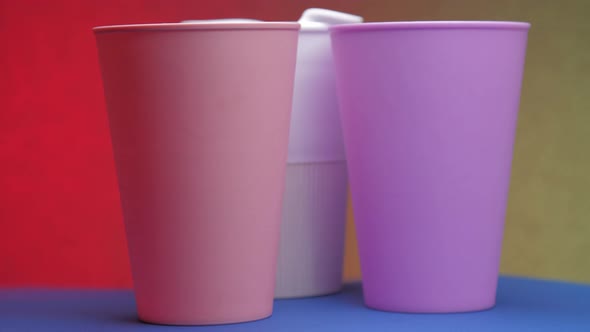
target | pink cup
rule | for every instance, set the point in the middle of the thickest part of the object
(199, 117)
(429, 112)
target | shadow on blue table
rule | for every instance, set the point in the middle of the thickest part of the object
(522, 305)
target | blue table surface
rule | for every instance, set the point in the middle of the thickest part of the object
(522, 305)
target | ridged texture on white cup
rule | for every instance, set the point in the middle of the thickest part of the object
(312, 230)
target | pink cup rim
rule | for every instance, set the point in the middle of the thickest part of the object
(198, 26)
(438, 25)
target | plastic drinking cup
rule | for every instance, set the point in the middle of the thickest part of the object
(199, 116)
(429, 111)
(311, 248)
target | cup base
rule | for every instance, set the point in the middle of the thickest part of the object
(430, 309)
(202, 322)
(297, 295)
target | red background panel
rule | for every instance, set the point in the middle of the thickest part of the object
(60, 219)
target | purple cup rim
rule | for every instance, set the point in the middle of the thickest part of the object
(416, 25)
(198, 26)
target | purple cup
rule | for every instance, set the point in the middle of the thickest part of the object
(429, 112)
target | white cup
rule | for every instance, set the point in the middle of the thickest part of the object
(314, 204)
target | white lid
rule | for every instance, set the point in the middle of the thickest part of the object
(319, 19)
